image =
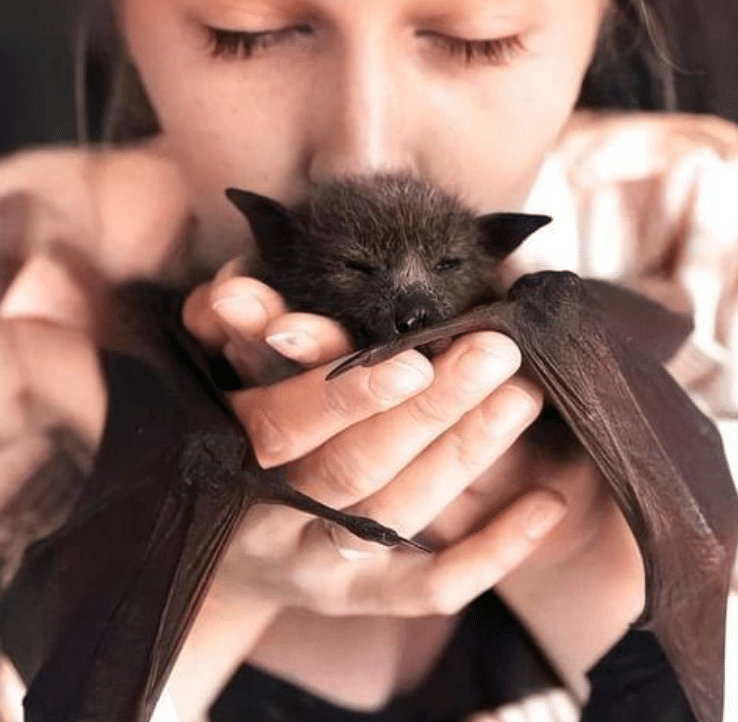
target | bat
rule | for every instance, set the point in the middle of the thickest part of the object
(95, 627)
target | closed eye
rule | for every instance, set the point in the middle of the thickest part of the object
(448, 264)
(493, 51)
(360, 267)
(243, 43)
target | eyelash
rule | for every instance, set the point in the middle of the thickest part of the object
(242, 44)
(497, 51)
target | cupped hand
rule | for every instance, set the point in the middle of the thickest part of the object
(398, 442)
(436, 450)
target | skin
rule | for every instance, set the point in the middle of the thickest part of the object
(364, 91)
(432, 448)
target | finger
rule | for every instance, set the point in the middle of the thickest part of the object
(287, 420)
(366, 456)
(230, 308)
(457, 459)
(446, 582)
(554, 705)
(12, 691)
(200, 319)
(197, 313)
(307, 338)
(508, 713)
(563, 705)
(397, 582)
(244, 306)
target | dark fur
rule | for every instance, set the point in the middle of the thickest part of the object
(383, 255)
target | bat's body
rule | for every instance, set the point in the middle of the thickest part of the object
(394, 261)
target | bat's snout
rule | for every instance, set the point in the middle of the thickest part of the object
(412, 314)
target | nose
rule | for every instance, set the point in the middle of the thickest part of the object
(413, 315)
(360, 119)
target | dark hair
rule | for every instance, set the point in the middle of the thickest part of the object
(651, 55)
(667, 55)
(630, 69)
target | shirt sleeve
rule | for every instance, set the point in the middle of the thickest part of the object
(646, 200)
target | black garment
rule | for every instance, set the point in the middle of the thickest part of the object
(634, 682)
(490, 661)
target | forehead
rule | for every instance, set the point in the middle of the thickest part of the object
(440, 9)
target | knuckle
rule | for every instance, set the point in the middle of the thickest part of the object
(428, 409)
(440, 597)
(347, 402)
(267, 435)
(472, 449)
(346, 473)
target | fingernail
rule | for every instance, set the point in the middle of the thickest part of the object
(517, 409)
(349, 553)
(353, 555)
(244, 310)
(544, 515)
(295, 345)
(399, 378)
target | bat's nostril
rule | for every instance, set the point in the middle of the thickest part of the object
(412, 320)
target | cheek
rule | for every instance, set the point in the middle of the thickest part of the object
(223, 125)
(229, 134)
(232, 131)
(492, 135)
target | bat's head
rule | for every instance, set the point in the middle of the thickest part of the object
(384, 254)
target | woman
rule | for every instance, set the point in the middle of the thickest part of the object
(276, 96)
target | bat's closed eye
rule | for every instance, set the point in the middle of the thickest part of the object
(360, 266)
(448, 264)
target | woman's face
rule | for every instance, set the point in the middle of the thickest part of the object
(275, 95)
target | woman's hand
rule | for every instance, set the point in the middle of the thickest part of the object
(405, 442)
(397, 442)
(73, 221)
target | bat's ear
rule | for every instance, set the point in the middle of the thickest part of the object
(502, 233)
(273, 225)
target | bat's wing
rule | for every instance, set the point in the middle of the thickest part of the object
(97, 612)
(663, 459)
(665, 465)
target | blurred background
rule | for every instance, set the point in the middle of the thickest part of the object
(36, 72)
(38, 40)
